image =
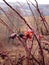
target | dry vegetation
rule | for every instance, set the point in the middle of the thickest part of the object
(19, 51)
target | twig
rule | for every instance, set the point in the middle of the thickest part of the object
(40, 50)
(30, 28)
(18, 14)
(7, 17)
(33, 15)
(41, 16)
(6, 25)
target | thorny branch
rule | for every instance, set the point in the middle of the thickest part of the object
(18, 14)
(5, 24)
(7, 17)
(41, 16)
(33, 15)
(17, 36)
(24, 44)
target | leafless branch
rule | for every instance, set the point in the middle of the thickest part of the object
(5, 25)
(7, 17)
(34, 35)
(41, 16)
(18, 14)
